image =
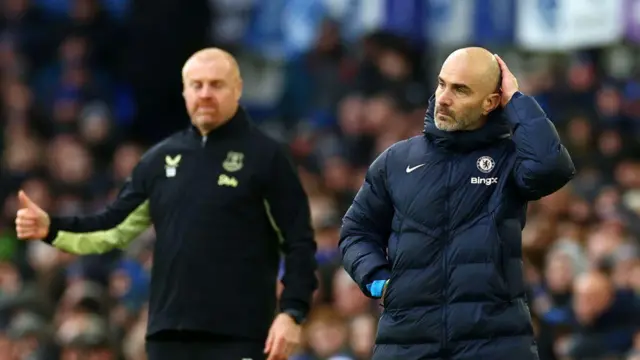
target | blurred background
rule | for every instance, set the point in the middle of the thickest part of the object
(87, 85)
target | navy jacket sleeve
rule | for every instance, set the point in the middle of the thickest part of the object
(366, 228)
(288, 208)
(543, 164)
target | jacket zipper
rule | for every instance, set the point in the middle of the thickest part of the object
(200, 155)
(445, 265)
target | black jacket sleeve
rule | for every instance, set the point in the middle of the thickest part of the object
(111, 228)
(288, 206)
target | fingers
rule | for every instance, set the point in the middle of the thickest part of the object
(26, 234)
(26, 224)
(503, 65)
(276, 351)
(26, 229)
(279, 350)
(269, 343)
(272, 355)
(26, 214)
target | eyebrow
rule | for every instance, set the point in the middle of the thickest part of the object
(456, 85)
(206, 80)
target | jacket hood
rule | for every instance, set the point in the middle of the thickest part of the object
(496, 129)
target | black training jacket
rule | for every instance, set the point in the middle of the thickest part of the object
(224, 208)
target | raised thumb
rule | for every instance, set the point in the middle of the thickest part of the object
(25, 202)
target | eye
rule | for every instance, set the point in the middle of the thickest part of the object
(462, 91)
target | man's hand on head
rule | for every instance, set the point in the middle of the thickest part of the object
(509, 84)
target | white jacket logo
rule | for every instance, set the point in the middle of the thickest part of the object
(485, 164)
(484, 181)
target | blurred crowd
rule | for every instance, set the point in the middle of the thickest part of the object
(67, 112)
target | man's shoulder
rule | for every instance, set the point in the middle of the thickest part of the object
(405, 150)
(168, 144)
(265, 137)
(395, 156)
(266, 144)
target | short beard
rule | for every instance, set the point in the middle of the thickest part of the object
(455, 125)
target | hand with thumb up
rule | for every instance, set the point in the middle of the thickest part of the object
(32, 223)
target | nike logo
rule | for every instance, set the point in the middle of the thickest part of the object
(410, 169)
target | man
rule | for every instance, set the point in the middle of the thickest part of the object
(435, 231)
(606, 319)
(224, 199)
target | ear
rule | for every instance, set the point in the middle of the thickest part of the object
(239, 90)
(490, 103)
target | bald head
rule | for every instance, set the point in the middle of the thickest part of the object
(467, 89)
(593, 283)
(484, 69)
(593, 293)
(211, 56)
(212, 88)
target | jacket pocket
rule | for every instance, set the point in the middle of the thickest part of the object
(502, 255)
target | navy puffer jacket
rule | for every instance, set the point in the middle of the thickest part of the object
(441, 217)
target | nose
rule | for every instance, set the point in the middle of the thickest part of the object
(206, 92)
(444, 99)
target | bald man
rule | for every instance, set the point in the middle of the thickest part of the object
(606, 318)
(225, 201)
(435, 230)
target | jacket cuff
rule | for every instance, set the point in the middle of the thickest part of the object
(382, 274)
(298, 316)
(53, 231)
(294, 308)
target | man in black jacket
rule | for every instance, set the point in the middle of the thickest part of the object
(225, 200)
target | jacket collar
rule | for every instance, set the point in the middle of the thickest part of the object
(496, 129)
(238, 123)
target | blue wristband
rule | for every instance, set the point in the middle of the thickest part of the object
(376, 287)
